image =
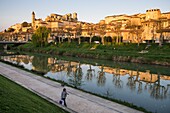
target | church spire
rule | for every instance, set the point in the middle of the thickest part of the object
(33, 20)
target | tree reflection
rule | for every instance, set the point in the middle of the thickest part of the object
(158, 91)
(40, 63)
(90, 73)
(154, 87)
(116, 79)
(167, 88)
(76, 78)
(69, 68)
(101, 77)
(133, 82)
(139, 82)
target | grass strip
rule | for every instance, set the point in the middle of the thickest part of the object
(16, 99)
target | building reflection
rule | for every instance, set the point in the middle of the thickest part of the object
(55, 65)
(136, 79)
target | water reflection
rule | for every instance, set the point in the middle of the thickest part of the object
(116, 78)
(40, 63)
(101, 79)
(90, 73)
(134, 81)
(76, 78)
(112, 82)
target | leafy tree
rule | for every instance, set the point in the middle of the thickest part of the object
(35, 40)
(40, 36)
(1, 38)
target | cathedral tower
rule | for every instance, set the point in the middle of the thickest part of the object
(33, 19)
(75, 16)
(153, 14)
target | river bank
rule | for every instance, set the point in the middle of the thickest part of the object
(144, 54)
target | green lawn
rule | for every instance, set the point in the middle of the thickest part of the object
(16, 99)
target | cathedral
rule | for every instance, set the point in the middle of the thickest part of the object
(54, 21)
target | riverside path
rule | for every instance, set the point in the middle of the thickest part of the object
(77, 101)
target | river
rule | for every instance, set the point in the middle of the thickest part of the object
(146, 86)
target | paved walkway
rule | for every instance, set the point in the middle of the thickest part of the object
(77, 101)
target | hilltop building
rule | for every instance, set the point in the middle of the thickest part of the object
(54, 21)
(151, 26)
(139, 27)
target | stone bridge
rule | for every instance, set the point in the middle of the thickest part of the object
(6, 43)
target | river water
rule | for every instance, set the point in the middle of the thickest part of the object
(146, 86)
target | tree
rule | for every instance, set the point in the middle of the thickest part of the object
(161, 29)
(101, 28)
(57, 32)
(40, 36)
(1, 37)
(118, 26)
(77, 31)
(115, 27)
(68, 30)
(137, 30)
(90, 31)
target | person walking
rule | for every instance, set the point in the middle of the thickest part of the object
(63, 96)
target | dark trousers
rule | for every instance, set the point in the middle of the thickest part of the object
(64, 99)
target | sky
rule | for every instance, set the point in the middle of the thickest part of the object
(18, 11)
